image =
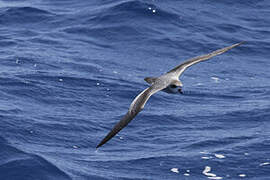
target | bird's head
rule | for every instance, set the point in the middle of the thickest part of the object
(176, 86)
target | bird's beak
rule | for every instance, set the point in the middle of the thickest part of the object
(180, 90)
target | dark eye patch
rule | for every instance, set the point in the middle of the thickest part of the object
(173, 86)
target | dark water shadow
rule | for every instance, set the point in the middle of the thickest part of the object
(18, 165)
(209, 95)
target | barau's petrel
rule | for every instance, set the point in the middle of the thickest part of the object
(168, 82)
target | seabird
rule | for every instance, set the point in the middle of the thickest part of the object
(168, 82)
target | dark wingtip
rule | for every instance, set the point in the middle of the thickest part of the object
(237, 44)
(118, 127)
(230, 47)
(100, 144)
(242, 42)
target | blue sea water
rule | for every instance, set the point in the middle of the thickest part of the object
(70, 69)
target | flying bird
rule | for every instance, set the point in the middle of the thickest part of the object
(168, 82)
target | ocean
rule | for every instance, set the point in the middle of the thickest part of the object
(70, 69)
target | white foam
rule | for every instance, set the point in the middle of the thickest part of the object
(210, 174)
(217, 177)
(242, 175)
(206, 171)
(220, 156)
(175, 170)
(204, 152)
(206, 157)
(264, 164)
(216, 79)
(187, 173)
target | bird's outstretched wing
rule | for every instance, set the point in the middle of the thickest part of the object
(182, 67)
(136, 106)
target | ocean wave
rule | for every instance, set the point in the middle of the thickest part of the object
(210, 95)
(121, 12)
(26, 165)
(70, 69)
(107, 22)
(22, 15)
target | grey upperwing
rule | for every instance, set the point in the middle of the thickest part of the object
(118, 127)
(136, 106)
(182, 67)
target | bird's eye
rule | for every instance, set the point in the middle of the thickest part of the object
(173, 86)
